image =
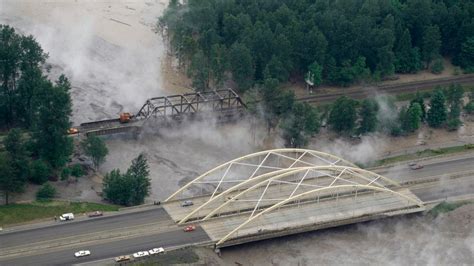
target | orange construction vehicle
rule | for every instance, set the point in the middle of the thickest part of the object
(125, 117)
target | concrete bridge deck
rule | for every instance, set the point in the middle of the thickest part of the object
(309, 214)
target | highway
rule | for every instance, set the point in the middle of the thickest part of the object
(438, 168)
(110, 249)
(110, 236)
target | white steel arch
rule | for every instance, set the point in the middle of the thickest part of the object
(265, 179)
(324, 158)
(302, 172)
(226, 237)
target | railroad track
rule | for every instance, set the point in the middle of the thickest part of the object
(389, 89)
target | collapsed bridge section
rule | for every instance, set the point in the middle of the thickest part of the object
(286, 191)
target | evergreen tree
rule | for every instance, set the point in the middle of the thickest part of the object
(407, 58)
(9, 183)
(242, 67)
(130, 188)
(300, 125)
(368, 114)
(117, 188)
(315, 74)
(40, 172)
(18, 155)
(411, 117)
(419, 99)
(218, 63)
(438, 66)
(343, 114)
(199, 72)
(431, 44)
(454, 96)
(467, 54)
(437, 112)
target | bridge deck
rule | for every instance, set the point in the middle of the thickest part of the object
(248, 200)
(311, 214)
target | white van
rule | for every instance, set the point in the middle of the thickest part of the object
(66, 217)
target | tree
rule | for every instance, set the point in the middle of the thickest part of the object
(242, 67)
(368, 114)
(199, 72)
(17, 159)
(130, 188)
(117, 188)
(467, 54)
(49, 134)
(411, 117)
(277, 102)
(302, 123)
(20, 76)
(46, 192)
(315, 74)
(276, 69)
(469, 108)
(140, 181)
(454, 96)
(9, 183)
(438, 66)
(77, 170)
(437, 112)
(407, 58)
(343, 114)
(284, 38)
(431, 44)
(40, 172)
(419, 100)
(95, 148)
(218, 63)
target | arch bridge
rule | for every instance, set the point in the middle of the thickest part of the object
(285, 191)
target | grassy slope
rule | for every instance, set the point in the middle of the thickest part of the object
(20, 213)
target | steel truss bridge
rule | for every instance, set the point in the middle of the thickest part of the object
(285, 191)
(223, 104)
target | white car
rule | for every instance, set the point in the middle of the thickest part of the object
(140, 254)
(156, 251)
(82, 253)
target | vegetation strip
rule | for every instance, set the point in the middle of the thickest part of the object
(445, 207)
(25, 212)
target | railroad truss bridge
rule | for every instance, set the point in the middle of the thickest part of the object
(222, 105)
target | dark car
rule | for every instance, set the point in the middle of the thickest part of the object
(95, 214)
(416, 166)
(186, 203)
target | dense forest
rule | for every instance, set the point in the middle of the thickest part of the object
(334, 42)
